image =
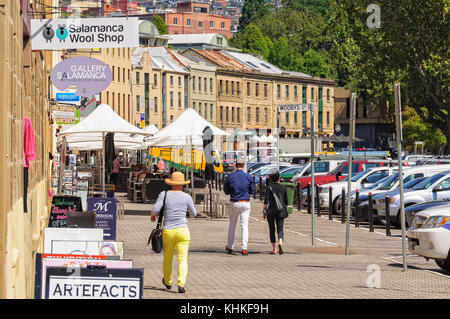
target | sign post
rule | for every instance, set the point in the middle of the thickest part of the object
(398, 112)
(349, 178)
(295, 108)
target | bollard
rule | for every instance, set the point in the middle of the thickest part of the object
(370, 212)
(210, 199)
(357, 209)
(299, 197)
(308, 198)
(220, 181)
(260, 188)
(388, 216)
(318, 201)
(330, 202)
(343, 206)
(215, 180)
(254, 182)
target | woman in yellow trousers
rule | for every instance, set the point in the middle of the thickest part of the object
(175, 230)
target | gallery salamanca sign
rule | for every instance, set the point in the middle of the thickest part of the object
(84, 33)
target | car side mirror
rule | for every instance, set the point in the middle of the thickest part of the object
(437, 188)
(364, 181)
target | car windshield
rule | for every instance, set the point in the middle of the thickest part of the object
(333, 172)
(379, 183)
(360, 175)
(413, 182)
(389, 183)
(426, 183)
(290, 170)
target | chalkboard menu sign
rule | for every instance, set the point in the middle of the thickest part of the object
(60, 206)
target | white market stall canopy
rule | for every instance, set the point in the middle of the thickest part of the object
(89, 133)
(178, 133)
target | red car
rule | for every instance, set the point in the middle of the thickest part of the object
(341, 172)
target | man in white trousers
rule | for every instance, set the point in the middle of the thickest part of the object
(239, 185)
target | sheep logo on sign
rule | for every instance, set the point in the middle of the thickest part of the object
(48, 33)
(62, 33)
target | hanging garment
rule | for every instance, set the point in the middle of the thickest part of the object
(29, 154)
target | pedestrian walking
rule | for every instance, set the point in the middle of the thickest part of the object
(161, 165)
(115, 171)
(175, 231)
(239, 185)
(275, 210)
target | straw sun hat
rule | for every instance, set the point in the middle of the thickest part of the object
(176, 179)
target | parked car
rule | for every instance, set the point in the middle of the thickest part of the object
(254, 166)
(412, 210)
(321, 167)
(340, 172)
(287, 174)
(429, 236)
(358, 181)
(436, 187)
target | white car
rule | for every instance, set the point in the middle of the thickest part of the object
(321, 167)
(436, 187)
(363, 179)
(429, 236)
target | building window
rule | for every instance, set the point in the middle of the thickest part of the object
(175, 20)
(257, 115)
(211, 111)
(138, 100)
(320, 93)
(278, 91)
(226, 115)
(113, 100)
(232, 87)
(328, 95)
(113, 69)
(304, 93)
(248, 88)
(107, 98)
(238, 88)
(205, 84)
(238, 115)
(295, 117)
(257, 89)
(171, 118)
(193, 106)
(295, 92)
(265, 115)
(188, 21)
(304, 113)
(118, 102)
(156, 104)
(211, 24)
(220, 87)
(328, 118)
(171, 80)
(199, 84)
(171, 99)
(200, 109)
(287, 91)
(200, 24)
(232, 115)
(226, 87)
(179, 81)
(179, 99)
(248, 115)
(193, 83)
(222, 25)
(211, 88)
(312, 94)
(265, 90)
(287, 117)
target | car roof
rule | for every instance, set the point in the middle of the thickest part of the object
(442, 210)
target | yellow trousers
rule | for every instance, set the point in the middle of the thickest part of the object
(178, 238)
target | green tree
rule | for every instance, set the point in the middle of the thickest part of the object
(411, 47)
(282, 55)
(252, 10)
(160, 24)
(313, 64)
(416, 128)
(314, 6)
(251, 40)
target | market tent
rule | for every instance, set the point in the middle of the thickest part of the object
(96, 125)
(188, 125)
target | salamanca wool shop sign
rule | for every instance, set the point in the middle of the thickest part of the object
(84, 33)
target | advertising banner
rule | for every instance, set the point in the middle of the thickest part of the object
(65, 114)
(81, 235)
(84, 33)
(60, 206)
(105, 210)
(87, 283)
(90, 76)
(78, 263)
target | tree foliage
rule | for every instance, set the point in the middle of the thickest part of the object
(160, 24)
(251, 40)
(252, 10)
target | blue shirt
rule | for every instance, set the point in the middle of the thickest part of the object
(239, 185)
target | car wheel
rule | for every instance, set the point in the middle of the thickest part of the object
(337, 205)
(444, 263)
(398, 221)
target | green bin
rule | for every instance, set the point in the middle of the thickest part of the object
(290, 188)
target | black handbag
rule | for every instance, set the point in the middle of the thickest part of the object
(156, 235)
(281, 208)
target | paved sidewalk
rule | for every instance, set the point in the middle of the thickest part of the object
(304, 271)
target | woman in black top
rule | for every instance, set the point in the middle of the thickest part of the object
(273, 214)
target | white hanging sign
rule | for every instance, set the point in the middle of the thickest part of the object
(84, 33)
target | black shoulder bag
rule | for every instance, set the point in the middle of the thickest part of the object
(156, 235)
(281, 207)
